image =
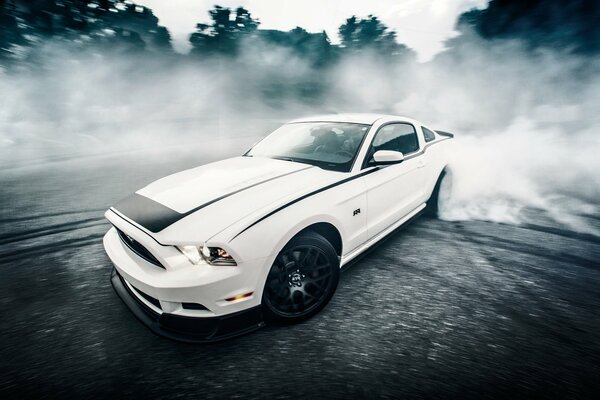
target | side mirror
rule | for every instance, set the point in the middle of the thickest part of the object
(386, 157)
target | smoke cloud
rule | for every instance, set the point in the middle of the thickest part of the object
(525, 121)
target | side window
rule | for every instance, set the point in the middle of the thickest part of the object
(428, 134)
(397, 137)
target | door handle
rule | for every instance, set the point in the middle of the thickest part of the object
(420, 164)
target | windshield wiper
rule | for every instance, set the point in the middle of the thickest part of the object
(315, 163)
(285, 159)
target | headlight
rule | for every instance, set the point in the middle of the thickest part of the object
(192, 253)
(212, 255)
(217, 256)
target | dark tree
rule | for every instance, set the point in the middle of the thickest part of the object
(139, 21)
(10, 35)
(225, 33)
(162, 39)
(313, 47)
(109, 24)
(570, 25)
(370, 33)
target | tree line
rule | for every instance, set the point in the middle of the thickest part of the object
(122, 26)
(117, 26)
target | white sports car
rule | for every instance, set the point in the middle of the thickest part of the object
(217, 250)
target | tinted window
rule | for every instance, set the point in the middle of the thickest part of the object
(429, 135)
(396, 137)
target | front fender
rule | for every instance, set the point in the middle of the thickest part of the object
(305, 223)
(270, 236)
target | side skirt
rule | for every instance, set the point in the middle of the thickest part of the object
(344, 264)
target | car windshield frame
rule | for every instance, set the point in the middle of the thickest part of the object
(345, 166)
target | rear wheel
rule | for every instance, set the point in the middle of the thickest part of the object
(441, 194)
(302, 279)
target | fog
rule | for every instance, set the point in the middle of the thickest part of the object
(525, 122)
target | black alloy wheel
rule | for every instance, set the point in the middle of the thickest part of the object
(302, 279)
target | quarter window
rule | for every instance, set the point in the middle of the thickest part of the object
(428, 134)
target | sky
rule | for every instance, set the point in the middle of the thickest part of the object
(421, 24)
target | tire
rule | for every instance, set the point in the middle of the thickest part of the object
(302, 279)
(440, 195)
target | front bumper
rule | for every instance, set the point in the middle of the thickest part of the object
(188, 329)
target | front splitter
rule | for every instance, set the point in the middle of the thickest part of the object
(189, 329)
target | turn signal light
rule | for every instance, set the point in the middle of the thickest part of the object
(240, 296)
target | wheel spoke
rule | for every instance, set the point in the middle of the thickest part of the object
(319, 254)
(306, 255)
(286, 259)
(309, 296)
(322, 266)
(316, 285)
(321, 277)
(296, 256)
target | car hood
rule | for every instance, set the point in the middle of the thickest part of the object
(189, 189)
(198, 203)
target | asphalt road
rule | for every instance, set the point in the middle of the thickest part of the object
(440, 309)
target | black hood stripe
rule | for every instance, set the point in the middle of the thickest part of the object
(147, 212)
(367, 172)
(155, 217)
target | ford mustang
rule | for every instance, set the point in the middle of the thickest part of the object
(221, 249)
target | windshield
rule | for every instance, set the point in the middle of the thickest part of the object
(329, 145)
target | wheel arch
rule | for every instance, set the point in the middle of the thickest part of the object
(446, 169)
(328, 231)
(432, 199)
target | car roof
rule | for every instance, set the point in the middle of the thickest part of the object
(357, 118)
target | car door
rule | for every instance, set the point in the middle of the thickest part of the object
(394, 190)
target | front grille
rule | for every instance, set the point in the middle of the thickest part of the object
(138, 249)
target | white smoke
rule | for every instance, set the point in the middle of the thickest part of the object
(526, 124)
(504, 176)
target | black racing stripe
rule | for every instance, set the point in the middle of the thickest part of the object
(155, 217)
(367, 172)
(118, 214)
(147, 212)
(193, 210)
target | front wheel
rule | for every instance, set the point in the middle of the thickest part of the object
(302, 279)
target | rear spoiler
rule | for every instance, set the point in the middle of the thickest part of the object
(447, 134)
